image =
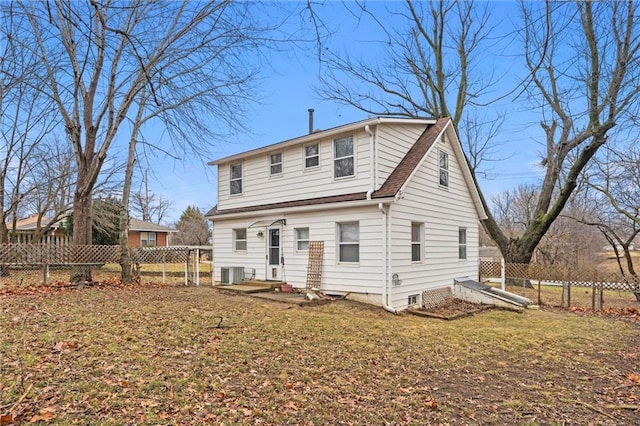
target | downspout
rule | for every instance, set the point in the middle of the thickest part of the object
(385, 266)
(372, 161)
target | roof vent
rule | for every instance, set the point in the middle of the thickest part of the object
(311, 110)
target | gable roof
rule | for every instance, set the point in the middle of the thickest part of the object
(394, 184)
(317, 135)
(143, 226)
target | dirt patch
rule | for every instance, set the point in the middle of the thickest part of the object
(450, 309)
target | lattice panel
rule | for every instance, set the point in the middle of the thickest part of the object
(160, 254)
(579, 277)
(314, 266)
(436, 297)
(41, 254)
(51, 254)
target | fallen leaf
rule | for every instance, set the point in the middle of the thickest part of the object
(44, 415)
(65, 346)
(634, 377)
(432, 404)
(6, 419)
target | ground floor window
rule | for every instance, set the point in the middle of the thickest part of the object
(349, 242)
(302, 239)
(462, 243)
(240, 239)
(417, 231)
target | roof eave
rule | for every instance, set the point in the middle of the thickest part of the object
(321, 135)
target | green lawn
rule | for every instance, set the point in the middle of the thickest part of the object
(155, 356)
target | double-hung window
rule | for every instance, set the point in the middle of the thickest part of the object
(343, 161)
(462, 243)
(235, 178)
(302, 239)
(349, 242)
(311, 156)
(275, 167)
(148, 239)
(240, 239)
(443, 163)
(417, 231)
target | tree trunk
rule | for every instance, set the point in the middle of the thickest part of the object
(81, 228)
(4, 239)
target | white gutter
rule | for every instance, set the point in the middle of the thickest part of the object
(385, 266)
(305, 208)
(372, 161)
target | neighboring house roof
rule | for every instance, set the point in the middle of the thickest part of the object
(143, 226)
(31, 223)
(392, 187)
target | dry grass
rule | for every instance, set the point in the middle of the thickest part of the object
(156, 356)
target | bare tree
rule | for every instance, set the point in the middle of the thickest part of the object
(431, 68)
(581, 60)
(99, 57)
(25, 121)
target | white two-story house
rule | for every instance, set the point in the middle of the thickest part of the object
(393, 200)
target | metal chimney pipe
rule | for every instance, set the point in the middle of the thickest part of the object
(311, 120)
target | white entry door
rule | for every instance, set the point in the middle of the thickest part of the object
(274, 253)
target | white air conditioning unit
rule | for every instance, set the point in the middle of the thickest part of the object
(231, 275)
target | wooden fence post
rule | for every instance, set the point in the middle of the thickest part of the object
(566, 294)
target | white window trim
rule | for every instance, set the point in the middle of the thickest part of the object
(353, 156)
(465, 244)
(448, 169)
(305, 157)
(236, 239)
(421, 242)
(241, 179)
(148, 233)
(339, 244)
(297, 240)
(271, 164)
(417, 302)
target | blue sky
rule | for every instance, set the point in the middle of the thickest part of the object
(287, 91)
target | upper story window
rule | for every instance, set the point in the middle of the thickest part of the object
(417, 231)
(148, 239)
(443, 163)
(235, 178)
(240, 239)
(275, 161)
(302, 239)
(343, 161)
(311, 156)
(349, 242)
(462, 243)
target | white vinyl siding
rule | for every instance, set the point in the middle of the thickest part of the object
(235, 179)
(275, 166)
(337, 277)
(311, 156)
(393, 141)
(240, 239)
(443, 213)
(301, 183)
(302, 239)
(343, 158)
